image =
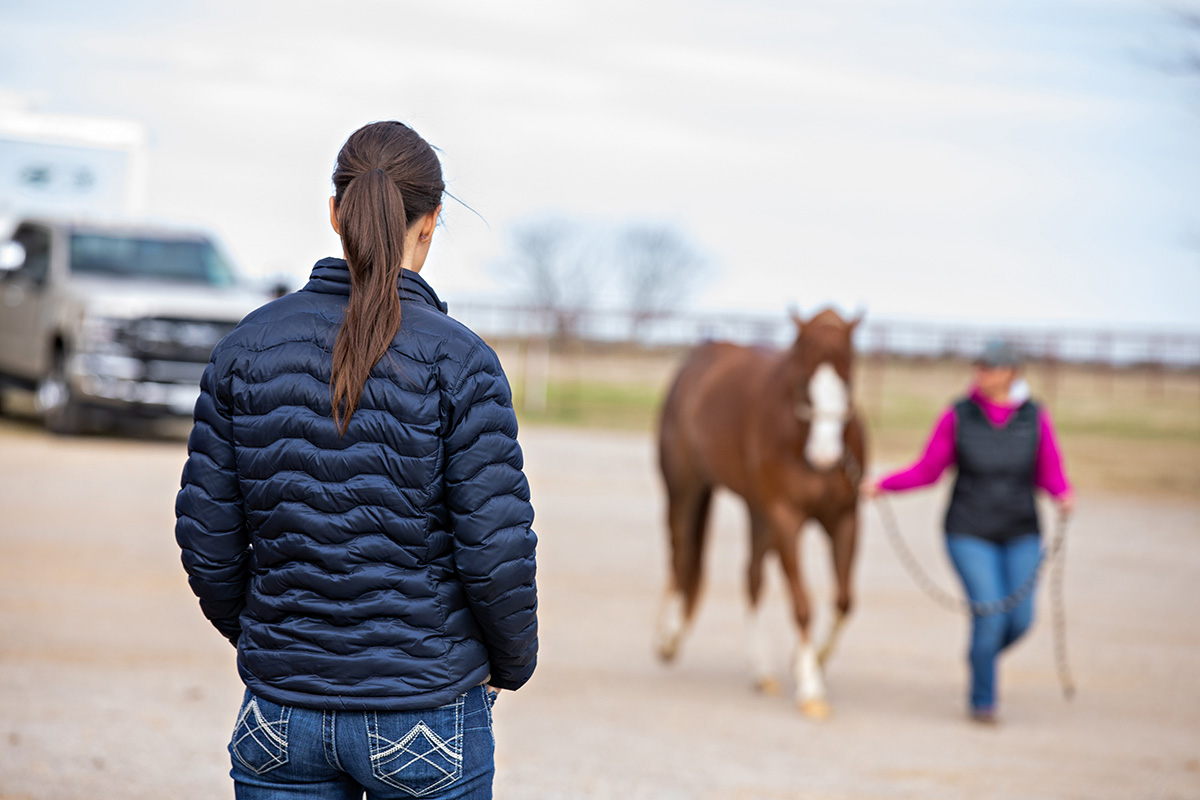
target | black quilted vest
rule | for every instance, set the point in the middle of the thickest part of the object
(993, 494)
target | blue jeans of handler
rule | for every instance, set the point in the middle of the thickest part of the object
(990, 571)
(287, 753)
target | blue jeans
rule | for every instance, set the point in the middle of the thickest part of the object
(990, 571)
(283, 752)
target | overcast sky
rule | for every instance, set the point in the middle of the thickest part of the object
(1025, 160)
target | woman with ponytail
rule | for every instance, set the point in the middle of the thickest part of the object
(353, 514)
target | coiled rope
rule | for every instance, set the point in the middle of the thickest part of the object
(1052, 555)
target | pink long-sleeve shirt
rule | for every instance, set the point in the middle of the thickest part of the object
(940, 452)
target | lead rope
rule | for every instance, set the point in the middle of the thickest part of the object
(1053, 554)
(1058, 611)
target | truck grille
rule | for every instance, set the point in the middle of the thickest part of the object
(164, 339)
(174, 371)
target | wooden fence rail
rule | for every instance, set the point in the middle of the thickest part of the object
(1111, 347)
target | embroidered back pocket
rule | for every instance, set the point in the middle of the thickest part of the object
(260, 735)
(420, 752)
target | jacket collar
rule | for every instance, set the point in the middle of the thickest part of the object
(1018, 395)
(332, 276)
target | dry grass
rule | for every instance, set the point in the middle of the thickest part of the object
(1134, 431)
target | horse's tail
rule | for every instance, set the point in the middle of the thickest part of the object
(688, 558)
(687, 523)
(688, 493)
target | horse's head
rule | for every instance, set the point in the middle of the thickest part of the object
(820, 368)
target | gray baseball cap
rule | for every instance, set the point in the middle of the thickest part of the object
(999, 353)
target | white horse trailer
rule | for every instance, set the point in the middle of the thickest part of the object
(71, 166)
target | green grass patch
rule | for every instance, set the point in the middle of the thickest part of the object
(594, 405)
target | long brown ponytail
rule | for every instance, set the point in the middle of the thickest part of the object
(386, 178)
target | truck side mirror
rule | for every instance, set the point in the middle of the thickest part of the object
(12, 256)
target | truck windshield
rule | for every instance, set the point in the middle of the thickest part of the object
(185, 261)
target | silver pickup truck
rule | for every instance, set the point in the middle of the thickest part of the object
(97, 319)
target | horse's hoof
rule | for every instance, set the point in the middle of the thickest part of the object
(768, 686)
(667, 650)
(815, 709)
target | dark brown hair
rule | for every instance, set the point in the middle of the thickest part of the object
(386, 178)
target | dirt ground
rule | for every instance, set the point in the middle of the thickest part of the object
(112, 685)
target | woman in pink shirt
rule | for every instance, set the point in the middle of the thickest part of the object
(1004, 447)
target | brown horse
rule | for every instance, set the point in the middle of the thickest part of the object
(779, 429)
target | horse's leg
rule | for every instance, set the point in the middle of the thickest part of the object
(810, 687)
(760, 650)
(843, 534)
(687, 518)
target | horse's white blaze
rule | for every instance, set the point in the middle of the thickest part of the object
(830, 407)
(807, 673)
(760, 646)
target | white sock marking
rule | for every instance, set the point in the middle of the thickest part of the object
(760, 645)
(809, 684)
(670, 623)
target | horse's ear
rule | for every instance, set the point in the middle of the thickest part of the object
(797, 320)
(859, 314)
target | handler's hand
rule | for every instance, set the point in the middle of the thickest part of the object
(869, 490)
(1066, 503)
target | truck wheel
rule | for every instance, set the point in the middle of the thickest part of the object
(61, 413)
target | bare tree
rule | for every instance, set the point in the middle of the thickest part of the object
(554, 267)
(659, 269)
(557, 264)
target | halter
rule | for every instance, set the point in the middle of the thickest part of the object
(848, 463)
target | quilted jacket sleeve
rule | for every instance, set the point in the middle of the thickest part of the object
(210, 521)
(487, 498)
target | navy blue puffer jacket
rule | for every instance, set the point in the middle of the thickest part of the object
(390, 568)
